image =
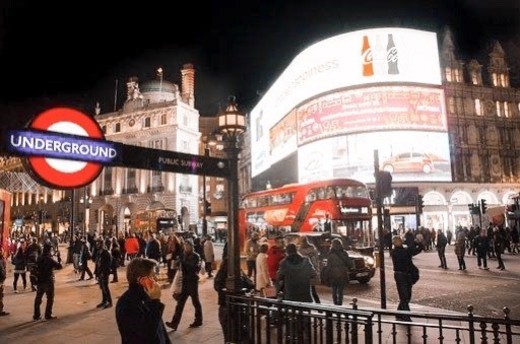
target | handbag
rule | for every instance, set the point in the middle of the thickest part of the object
(414, 273)
(176, 287)
(269, 291)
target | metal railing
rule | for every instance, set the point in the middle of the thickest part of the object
(264, 320)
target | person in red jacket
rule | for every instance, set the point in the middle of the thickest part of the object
(275, 254)
(132, 246)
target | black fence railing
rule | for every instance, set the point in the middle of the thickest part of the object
(263, 320)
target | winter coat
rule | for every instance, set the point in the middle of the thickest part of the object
(312, 253)
(262, 272)
(209, 254)
(139, 318)
(20, 261)
(338, 264)
(294, 278)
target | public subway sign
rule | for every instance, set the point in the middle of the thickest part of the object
(64, 148)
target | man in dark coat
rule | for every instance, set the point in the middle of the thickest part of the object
(139, 310)
(45, 285)
(103, 270)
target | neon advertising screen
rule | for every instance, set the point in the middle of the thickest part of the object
(346, 96)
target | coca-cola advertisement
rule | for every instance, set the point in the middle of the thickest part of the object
(363, 81)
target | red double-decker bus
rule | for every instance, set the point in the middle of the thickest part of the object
(304, 207)
(5, 215)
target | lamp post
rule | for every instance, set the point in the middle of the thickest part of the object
(86, 201)
(232, 125)
(207, 143)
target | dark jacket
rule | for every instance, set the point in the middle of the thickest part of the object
(103, 262)
(46, 266)
(295, 275)
(139, 318)
(3, 270)
(402, 257)
(190, 264)
(338, 263)
(20, 261)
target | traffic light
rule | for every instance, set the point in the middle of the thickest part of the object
(383, 184)
(483, 206)
(420, 204)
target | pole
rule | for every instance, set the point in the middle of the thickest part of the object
(480, 214)
(379, 205)
(233, 280)
(204, 206)
(71, 227)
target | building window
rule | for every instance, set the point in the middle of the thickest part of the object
(448, 74)
(499, 112)
(185, 146)
(117, 128)
(457, 75)
(478, 107)
(185, 120)
(474, 78)
(503, 80)
(506, 110)
(451, 104)
(104, 129)
(147, 122)
(494, 79)
(163, 119)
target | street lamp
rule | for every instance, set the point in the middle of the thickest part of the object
(86, 201)
(207, 142)
(231, 125)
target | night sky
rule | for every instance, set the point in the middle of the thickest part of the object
(72, 52)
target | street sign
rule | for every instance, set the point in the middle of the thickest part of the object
(66, 149)
(61, 172)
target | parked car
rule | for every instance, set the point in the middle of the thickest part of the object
(415, 162)
(363, 267)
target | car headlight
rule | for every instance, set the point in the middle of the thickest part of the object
(369, 260)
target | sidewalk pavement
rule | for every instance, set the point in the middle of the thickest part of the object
(79, 321)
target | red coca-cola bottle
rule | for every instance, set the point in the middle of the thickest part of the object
(366, 57)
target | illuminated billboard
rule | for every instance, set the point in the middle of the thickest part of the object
(372, 80)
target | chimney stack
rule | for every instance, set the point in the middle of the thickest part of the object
(188, 84)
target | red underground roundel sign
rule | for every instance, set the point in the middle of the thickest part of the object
(63, 173)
